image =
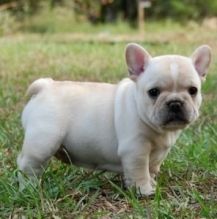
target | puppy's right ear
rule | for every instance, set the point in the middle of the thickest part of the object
(201, 58)
(137, 60)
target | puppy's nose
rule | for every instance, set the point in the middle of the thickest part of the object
(175, 106)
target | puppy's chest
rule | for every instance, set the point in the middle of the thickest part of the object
(164, 141)
(161, 146)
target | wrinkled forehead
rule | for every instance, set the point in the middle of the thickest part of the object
(170, 71)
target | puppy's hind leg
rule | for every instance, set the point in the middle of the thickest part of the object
(38, 147)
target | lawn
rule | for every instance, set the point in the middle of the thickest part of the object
(187, 183)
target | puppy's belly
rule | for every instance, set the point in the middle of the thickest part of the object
(91, 162)
(91, 153)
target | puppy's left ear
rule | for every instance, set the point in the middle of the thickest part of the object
(137, 60)
(201, 58)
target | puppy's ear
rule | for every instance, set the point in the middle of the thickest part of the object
(137, 60)
(201, 58)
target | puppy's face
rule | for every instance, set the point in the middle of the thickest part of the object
(171, 92)
(168, 87)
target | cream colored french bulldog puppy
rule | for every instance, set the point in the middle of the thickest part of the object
(127, 127)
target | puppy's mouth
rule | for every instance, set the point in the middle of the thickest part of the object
(175, 121)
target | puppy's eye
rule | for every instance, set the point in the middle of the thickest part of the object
(192, 91)
(154, 92)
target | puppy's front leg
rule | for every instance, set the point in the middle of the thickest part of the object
(157, 156)
(135, 164)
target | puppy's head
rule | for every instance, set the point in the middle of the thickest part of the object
(168, 93)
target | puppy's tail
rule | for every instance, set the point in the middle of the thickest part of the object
(38, 85)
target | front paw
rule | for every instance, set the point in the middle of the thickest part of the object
(145, 189)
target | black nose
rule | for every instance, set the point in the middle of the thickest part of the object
(175, 106)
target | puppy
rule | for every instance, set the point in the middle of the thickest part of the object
(127, 127)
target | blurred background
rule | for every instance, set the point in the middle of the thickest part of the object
(115, 16)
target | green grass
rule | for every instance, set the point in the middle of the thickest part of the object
(187, 183)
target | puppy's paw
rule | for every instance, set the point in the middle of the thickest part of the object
(145, 190)
(27, 182)
(142, 187)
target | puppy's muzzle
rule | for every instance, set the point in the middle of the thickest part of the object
(175, 112)
(175, 106)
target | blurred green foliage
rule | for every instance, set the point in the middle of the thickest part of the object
(7, 23)
(183, 9)
(67, 15)
(177, 9)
